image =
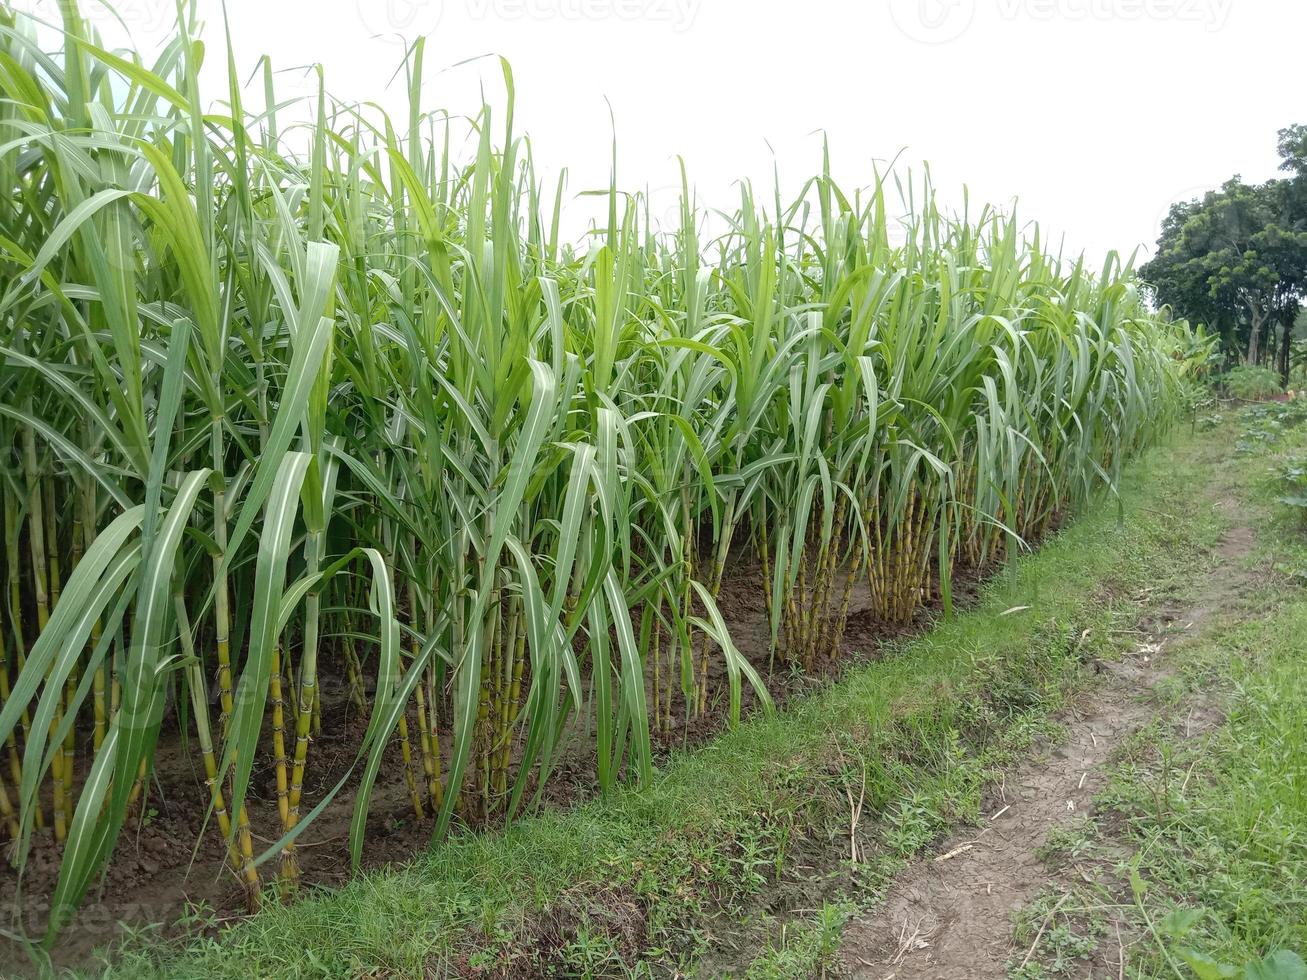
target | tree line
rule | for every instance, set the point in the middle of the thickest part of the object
(1236, 259)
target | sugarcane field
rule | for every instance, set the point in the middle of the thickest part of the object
(624, 488)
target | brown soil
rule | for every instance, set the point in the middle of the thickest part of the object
(949, 914)
(168, 864)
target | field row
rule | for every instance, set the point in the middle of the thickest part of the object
(314, 420)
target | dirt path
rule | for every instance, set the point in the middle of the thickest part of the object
(949, 914)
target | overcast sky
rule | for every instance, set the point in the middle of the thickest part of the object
(1094, 114)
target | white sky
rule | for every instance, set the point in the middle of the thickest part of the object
(1095, 114)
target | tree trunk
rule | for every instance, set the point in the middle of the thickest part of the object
(1255, 335)
(1285, 341)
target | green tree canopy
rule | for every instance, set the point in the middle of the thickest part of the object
(1237, 258)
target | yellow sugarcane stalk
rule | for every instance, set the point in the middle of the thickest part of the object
(406, 755)
(70, 745)
(512, 704)
(424, 732)
(11, 743)
(827, 640)
(98, 683)
(241, 855)
(279, 738)
(834, 548)
(307, 696)
(7, 812)
(854, 569)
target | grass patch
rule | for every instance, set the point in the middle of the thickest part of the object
(1220, 823)
(1200, 843)
(639, 878)
(806, 950)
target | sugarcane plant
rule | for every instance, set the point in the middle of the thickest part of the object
(313, 423)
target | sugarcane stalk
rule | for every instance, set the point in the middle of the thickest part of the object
(241, 855)
(353, 670)
(7, 813)
(657, 666)
(493, 649)
(64, 791)
(290, 686)
(406, 755)
(40, 580)
(308, 691)
(436, 789)
(401, 729)
(499, 706)
(687, 557)
(11, 743)
(52, 538)
(803, 607)
(824, 641)
(791, 620)
(849, 578)
(714, 589)
(221, 596)
(279, 738)
(764, 561)
(420, 692)
(36, 529)
(115, 669)
(317, 710)
(512, 703)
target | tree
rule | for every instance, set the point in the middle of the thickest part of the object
(1293, 149)
(1237, 258)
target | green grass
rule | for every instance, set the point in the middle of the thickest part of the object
(640, 876)
(1214, 825)
(1221, 823)
(806, 950)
